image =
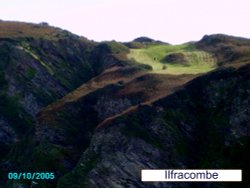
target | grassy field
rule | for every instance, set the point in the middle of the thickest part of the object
(197, 61)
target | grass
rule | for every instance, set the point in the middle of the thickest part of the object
(9, 29)
(116, 47)
(32, 54)
(198, 61)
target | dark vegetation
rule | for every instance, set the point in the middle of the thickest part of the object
(175, 58)
(143, 42)
(194, 128)
(81, 109)
(227, 49)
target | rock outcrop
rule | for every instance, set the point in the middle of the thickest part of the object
(204, 125)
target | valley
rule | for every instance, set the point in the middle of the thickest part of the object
(196, 61)
(96, 113)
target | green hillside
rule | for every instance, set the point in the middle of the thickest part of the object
(197, 61)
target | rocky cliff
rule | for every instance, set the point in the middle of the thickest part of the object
(204, 125)
(95, 118)
(40, 64)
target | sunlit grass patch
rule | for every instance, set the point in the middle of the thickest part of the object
(197, 61)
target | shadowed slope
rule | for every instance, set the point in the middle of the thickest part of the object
(124, 116)
(204, 125)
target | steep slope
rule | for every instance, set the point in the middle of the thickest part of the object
(40, 64)
(204, 125)
(124, 116)
(36, 69)
(64, 129)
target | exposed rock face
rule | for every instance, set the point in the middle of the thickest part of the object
(6, 133)
(40, 64)
(41, 69)
(60, 128)
(48, 72)
(205, 125)
(122, 118)
(35, 72)
(107, 106)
